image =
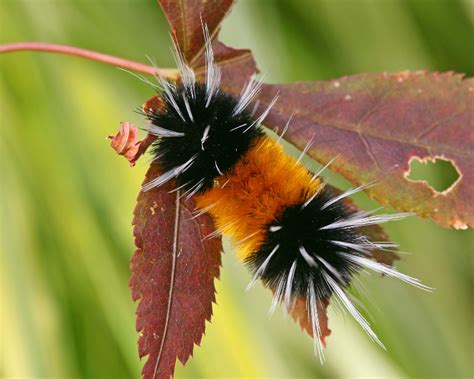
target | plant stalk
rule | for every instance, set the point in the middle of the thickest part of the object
(88, 54)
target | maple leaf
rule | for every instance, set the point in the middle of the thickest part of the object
(377, 123)
(186, 19)
(173, 271)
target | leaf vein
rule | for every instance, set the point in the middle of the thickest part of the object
(342, 126)
(173, 270)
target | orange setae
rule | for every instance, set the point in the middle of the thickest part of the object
(254, 192)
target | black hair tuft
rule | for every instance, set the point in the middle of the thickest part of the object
(299, 226)
(213, 136)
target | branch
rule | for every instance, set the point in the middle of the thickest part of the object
(88, 54)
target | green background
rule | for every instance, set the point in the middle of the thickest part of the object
(67, 199)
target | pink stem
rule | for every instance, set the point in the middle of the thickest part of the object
(88, 54)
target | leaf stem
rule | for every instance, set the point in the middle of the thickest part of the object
(88, 54)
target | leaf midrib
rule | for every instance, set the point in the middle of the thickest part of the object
(173, 269)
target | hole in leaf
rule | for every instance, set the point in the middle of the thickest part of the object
(440, 174)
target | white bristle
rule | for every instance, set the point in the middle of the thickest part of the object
(339, 292)
(277, 296)
(205, 135)
(308, 258)
(262, 117)
(248, 94)
(383, 269)
(365, 221)
(289, 284)
(262, 268)
(213, 72)
(305, 150)
(167, 176)
(162, 132)
(313, 310)
(346, 194)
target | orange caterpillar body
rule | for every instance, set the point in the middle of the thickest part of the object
(254, 192)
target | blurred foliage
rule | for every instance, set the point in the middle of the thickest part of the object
(67, 199)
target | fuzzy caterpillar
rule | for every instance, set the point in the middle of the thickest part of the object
(291, 231)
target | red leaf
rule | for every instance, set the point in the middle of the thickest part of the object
(300, 313)
(184, 18)
(173, 273)
(153, 104)
(237, 66)
(377, 123)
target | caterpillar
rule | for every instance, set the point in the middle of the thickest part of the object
(293, 232)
